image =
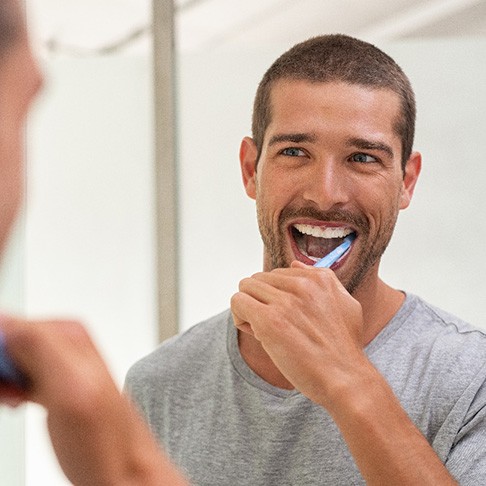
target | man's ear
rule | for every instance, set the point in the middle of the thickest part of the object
(248, 163)
(412, 172)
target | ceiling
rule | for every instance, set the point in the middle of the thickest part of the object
(205, 24)
(97, 26)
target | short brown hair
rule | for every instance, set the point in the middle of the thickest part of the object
(10, 23)
(341, 58)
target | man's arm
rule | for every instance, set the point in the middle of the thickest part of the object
(97, 435)
(314, 337)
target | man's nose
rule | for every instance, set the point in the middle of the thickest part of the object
(327, 185)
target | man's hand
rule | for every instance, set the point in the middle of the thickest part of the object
(308, 324)
(96, 433)
(312, 330)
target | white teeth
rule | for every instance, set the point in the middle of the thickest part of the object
(322, 231)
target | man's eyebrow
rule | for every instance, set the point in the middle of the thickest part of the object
(364, 144)
(292, 137)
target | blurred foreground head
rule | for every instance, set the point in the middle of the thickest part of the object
(19, 82)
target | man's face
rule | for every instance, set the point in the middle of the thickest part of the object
(19, 82)
(330, 165)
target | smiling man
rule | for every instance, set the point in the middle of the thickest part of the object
(324, 376)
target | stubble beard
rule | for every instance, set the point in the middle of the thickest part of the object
(275, 242)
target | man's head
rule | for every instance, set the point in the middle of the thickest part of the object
(19, 82)
(332, 58)
(333, 128)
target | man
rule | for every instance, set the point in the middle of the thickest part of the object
(96, 434)
(324, 376)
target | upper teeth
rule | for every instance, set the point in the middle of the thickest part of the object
(323, 231)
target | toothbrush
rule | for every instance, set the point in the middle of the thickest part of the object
(8, 371)
(336, 254)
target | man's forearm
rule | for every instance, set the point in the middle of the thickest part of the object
(386, 445)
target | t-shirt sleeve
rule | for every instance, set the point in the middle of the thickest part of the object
(467, 458)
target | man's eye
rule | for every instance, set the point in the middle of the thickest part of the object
(293, 152)
(363, 158)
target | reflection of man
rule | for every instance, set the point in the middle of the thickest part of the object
(96, 434)
(324, 376)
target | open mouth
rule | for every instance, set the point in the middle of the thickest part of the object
(315, 242)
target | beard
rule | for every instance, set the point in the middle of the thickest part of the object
(371, 247)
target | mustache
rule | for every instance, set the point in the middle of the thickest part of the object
(357, 221)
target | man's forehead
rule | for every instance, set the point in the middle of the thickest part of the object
(299, 97)
(302, 96)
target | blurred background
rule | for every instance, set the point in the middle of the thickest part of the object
(87, 245)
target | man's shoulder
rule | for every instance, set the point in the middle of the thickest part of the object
(443, 326)
(439, 340)
(195, 348)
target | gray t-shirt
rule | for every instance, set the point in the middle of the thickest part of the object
(224, 425)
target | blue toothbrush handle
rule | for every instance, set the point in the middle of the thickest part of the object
(9, 373)
(335, 254)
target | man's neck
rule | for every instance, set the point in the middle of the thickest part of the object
(379, 303)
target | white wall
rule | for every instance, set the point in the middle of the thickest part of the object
(437, 249)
